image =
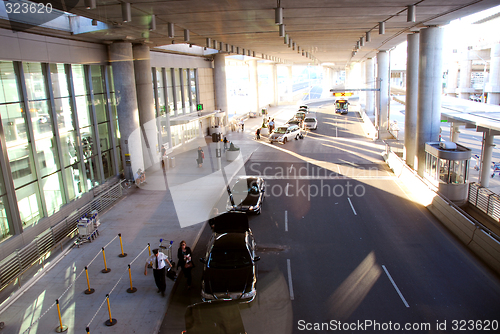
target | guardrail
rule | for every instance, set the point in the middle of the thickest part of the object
(17, 263)
(485, 200)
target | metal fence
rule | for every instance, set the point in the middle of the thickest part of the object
(485, 200)
(14, 265)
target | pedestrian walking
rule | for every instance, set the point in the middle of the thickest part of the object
(225, 144)
(185, 261)
(271, 125)
(201, 156)
(159, 261)
(163, 152)
(257, 134)
(242, 126)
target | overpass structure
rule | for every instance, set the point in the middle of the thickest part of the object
(106, 84)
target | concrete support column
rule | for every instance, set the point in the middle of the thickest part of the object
(486, 154)
(411, 111)
(220, 83)
(493, 86)
(370, 84)
(362, 96)
(275, 84)
(254, 85)
(290, 84)
(145, 103)
(430, 78)
(121, 58)
(383, 68)
(452, 80)
(465, 76)
(454, 132)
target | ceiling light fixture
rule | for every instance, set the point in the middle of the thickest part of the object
(152, 24)
(411, 14)
(362, 41)
(282, 30)
(209, 42)
(368, 36)
(278, 15)
(381, 28)
(285, 39)
(171, 30)
(186, 35)
(126, 13)
(90, 4)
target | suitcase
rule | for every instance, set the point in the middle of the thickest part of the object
(171, 274)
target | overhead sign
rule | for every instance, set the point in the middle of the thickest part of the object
(342, 94)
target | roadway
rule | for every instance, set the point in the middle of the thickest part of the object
(340, 239)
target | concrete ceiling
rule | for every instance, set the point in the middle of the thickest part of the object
(328, 29)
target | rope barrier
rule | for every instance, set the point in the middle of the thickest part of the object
(76, 278)
(111, 241)
(69, 286)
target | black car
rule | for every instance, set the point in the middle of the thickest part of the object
(247, 195)
(229, 271)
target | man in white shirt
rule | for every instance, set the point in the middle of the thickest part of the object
(158, 260)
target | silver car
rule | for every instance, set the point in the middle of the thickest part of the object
(283, 134)
(310, 123)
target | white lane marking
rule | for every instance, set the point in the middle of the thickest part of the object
(286, 221)
(286, 189)
(290, 286)
(395, 287)
(352, 207)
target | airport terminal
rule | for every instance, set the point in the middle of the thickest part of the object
(106, 105)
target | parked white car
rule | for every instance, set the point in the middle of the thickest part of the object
(310, 123)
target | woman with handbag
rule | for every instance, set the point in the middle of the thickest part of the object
(185, 261)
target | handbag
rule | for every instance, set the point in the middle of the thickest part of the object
(188, 265)
(203, 155)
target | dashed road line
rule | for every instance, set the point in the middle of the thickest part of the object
(395, 286)
(352, 207)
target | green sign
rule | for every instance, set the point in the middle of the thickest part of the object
(199, 107)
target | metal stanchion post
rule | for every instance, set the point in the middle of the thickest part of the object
(106, 269)
(131, 289)
(111, 321)
(150, 265)
(87, 329)
(61, 328)
(89, 290)
(121, 246)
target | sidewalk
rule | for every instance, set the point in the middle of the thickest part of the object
(143, 216)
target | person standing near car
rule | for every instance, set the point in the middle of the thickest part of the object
(158, 259)
(185, 261)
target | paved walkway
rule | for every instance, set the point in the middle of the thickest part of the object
(144, 216)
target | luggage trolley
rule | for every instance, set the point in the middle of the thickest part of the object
(167, 250)
(87, 229)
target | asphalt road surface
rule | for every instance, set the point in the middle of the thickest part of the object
(344, 248)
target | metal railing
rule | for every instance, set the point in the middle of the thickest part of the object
(17, 263)
(485, 200)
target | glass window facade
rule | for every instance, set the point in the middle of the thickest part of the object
(178, 90)
(170, 92)
(61, 133)
(53, 137)
(187, 100)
